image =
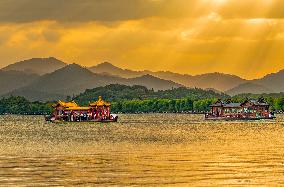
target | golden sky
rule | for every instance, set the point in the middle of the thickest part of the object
(242, 37)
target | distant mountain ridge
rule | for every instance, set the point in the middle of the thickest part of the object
(74, 79)
(10, 80)
(47, 78)
(271, 83)
(248, 87)
(38, 66)
(230, 84)
(108, 68)
(223, 81)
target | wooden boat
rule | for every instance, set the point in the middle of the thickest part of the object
(98, 111)
(239, 118)
(51, 118)
(248, 110)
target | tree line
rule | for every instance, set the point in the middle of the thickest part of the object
(20, 105)
(162, 105)
(138, 99)
(116, 92)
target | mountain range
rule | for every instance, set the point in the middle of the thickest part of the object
(11, 80)
(222, 81)
(51, 79)
(38, 66)
(230, 84)
(71, 80)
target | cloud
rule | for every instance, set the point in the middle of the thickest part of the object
(121, 10)
(250, 9)
(100, 10)
(187, 36)
(76, 10)
(191, 46)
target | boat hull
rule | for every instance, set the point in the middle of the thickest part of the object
(53, 120)
(237, 119)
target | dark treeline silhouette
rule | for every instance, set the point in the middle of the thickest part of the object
(162, 105)
(139, 99)
(20, 105)
(116, 92)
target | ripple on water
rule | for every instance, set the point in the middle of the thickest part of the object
(152, 149)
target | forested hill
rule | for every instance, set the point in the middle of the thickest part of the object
(125, 99)
(138, 99)
(116, 92)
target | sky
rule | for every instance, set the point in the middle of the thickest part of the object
(241, 37)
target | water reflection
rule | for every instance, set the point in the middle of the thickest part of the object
(178, 150)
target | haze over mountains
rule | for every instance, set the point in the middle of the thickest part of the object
(50, 79)
(73, 79)
(222, 81)
(38, 66)
(11, 80)
(230, 84)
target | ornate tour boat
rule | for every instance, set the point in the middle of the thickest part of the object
(98, 111)
(248, 110)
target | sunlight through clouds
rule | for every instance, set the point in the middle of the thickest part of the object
(186, 36)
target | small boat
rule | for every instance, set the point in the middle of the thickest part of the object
(98, 111)
(247, 110)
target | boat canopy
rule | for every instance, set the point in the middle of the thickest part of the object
(238, 105)
(66, 104)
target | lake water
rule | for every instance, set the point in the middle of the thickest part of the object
(154, 150)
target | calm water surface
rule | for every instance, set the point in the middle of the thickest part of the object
(154, 150)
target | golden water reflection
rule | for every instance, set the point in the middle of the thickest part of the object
(156, 149)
